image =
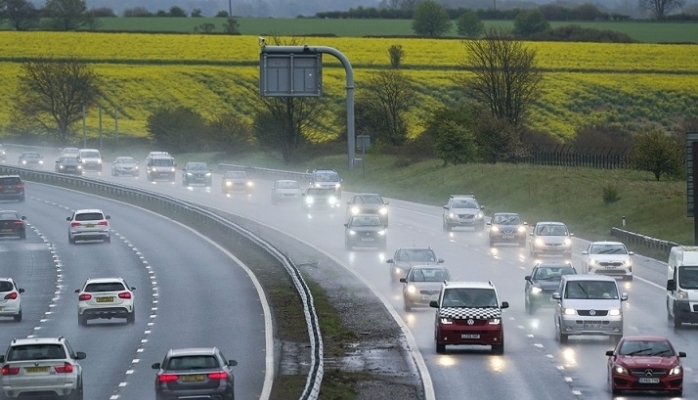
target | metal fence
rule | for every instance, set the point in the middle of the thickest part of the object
(191, 213)
(654, 244)
(576, 156)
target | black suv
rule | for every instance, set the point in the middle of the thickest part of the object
(507, 227)
(543, 282)
(196, 172)
(69, 165)
(11, 187)
(326, 179)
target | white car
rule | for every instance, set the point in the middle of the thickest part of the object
(90, 159)
(89, 224)
(106, 298)
(286, 190)
(608, 258)
(41, 367)
(10, 299)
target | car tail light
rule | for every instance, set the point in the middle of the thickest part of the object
(74, 224)
(20, 186)
(64, 369)
(84, 297)
(11, 296)
(19, 223)
(1, 187)
(103, 223)
(167, 378)
(7, 370)
(124, 295)
(218, 375)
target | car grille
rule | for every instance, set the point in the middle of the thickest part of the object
(597, 313)
(476, 322)
(430, 292)
(611, 264)
(507, 231)
(367, 233)
(466, 216)
(645, 372)
(553, 244)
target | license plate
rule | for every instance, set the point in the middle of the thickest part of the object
(592, 326)
(192, 378)
(648, 380)
(610, 267)
(428, 297)
(470, 336)
(9, 191)
(366, 239)
(7, 230)
(35, 370)
(89, 226)
(105, 299)
(508, 237)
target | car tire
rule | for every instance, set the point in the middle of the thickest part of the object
(107, 239)
(447, 227)
(406, 305)
(71, 240)
(131, 318)
(82, 321)
(18, 317)
(677, 321)
(532, 253)
(492, 242)
(529, 308)
(23, 235)
(561, 337)
(384, 245)
(522, 244)
(677, 393)
(498, 349)
(629, 278)
(22, 199)
(440, 348)
(347, 246)
(77, 394)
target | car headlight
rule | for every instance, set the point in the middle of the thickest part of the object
(494, 229)
(479, 215)
(208, 174)
(620, 369)
(411, 289)
(536, 290)
(398, 270)
(381, 232)
(332, 200)
(614, 312)
(99, 161)
(136, 168)
(568, 242)
(570, 311)
(494, 321)
(24, 161)
(317, 185)
(522, 229)
(351, 232)
(41, 161)
(60, 167)
(309, 200)
(538, 242)
(676, 370)
(337, 186)
(383, 211)
(79, 167)
(445, 321)
(355, 210)
(592, 261)
(682, 294)
(249, 183)
(83, 161)
(628, 262)
(451, 215)
(172, 170)
(189, 174)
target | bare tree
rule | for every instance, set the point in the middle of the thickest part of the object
(391, 96)
(21, 14)
(51, 95)
(505, 77)
(660, 8)
(68, 15)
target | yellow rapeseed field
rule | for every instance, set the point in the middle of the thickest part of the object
(140, 73)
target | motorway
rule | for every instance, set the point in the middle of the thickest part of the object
(189, 293)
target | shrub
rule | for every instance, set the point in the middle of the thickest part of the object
(575, 33)
(610, 193)
(469, 25)
(529, 23)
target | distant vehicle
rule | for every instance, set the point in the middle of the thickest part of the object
(326, 179)
(645, 363)
(236, 181)
(124, 166)
(69, 165)
(70, 152)
(196, 172)
(682, 285)
(12, 224)
(368, 203)
(542, 282)
(195, 373)
(463, 210)
(422, 285)
(91, 159)
(160, 166)
(10, 299)
(89, 224)
(106, 298)
(3, 153)
(608, 258)
(320, 199)
(11, 188)
(285, 190)
(408, 257)
(365, 231)
(507, 227)
(31, 159)
(551, 238)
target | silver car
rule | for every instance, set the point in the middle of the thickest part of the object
(551, 238)
(89, 224)
(588, 305)
(408, 257)
(124, 166)
(422, 285)
(463, 210)
(286, 190)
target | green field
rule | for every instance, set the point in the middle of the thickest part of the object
(643, 31)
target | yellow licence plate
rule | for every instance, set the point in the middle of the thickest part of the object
(105, 299)
(34, 370)
(89, 226)
(192, 378)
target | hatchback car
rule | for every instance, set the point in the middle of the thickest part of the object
(507, 228)
(124, 166)
(160, 166)
(285, 190)
(31, 159)
(70, 152)
(407, 257)
(195, 373)
(366, 231)
(90, 159)
(10, 299)
(236, 181)
(326, 179)
(106, 298)
(368, 203)
(551, 238)
(11, 188)
(463, 210)
(645, 363)
(543, 281)
(608, 258)
(422, 285)
(89, 224)
(320, 199)
(68, 165)
(12, 224)
(43, 368)
(196, 172)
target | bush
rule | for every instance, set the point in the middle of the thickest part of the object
(575, 33)
(529, 23)
(469, 25)
(658, 153)
(610, 193)
(177, 129)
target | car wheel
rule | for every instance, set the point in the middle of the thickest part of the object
(22, 199)
(529, 307)
(561, 337)
(629, 278)
(384, 245)
(677, 321)
(77, 394)
(677, 393)
(407, 305)
(492, 242)
(82, 321)
(18, 317)
(23, 235)
(498, 349)
(71, 240)
(447, 227)
(347, 245)
(107, 239)
(440, 348)
(131, 318)
(532, 253)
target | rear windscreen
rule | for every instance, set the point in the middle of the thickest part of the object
(6, 286)
(36, 352)
(192, 362)
(104, 287)
(89, 217)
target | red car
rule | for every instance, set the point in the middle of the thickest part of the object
(645, 363)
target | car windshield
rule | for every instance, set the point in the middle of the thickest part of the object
(506, 219)
(69, 161)
(591, 290)
(235, 175)
(646, 348)
(89, 154)
(415, 255)
(368, 199)
(31, 155)
(162, 162)
(89, 216)
(104, 287)
(326, 177)
(125, 160)
(6, 286)
(11, 215)
(36, 352)
(469, 297)
(552, 273)
(688, 277)
(365, 221)
(287, 185)
(192, 362)
(429, 275)
(198, 167)
(464, 203)
(551, 230)
(608, 248)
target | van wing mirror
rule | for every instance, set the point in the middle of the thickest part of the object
(389, 261)
(671, 285)
(434, 304)
(681, 354)
(624, 297)
(505, 304)
(556, 296)
(527, 277)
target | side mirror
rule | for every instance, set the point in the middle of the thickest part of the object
(671, 285)
(434, 304)
(530, 234)
(133, 288)
(571, 234)
(609, 353)
(623, 297)
(348, 202)
(505, 304)
(631, 253)
(556, 296)
(346, 225)
(440, 261)
(387, 204)
(58, 161)
(681, 354)
(2, 359)
(68, 219)
(155, 366)
(489, 223)
(107, 217)
(232, 363)
(21, 290)
(445, 207)
(403, 280)
(585, 253)
(482, 207)
(389, 261)
(80, 355)
(527, 277)
(526, 223)
(77, 290)
(23, 217)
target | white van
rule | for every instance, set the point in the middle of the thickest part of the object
(682, 285)
(90, 159)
